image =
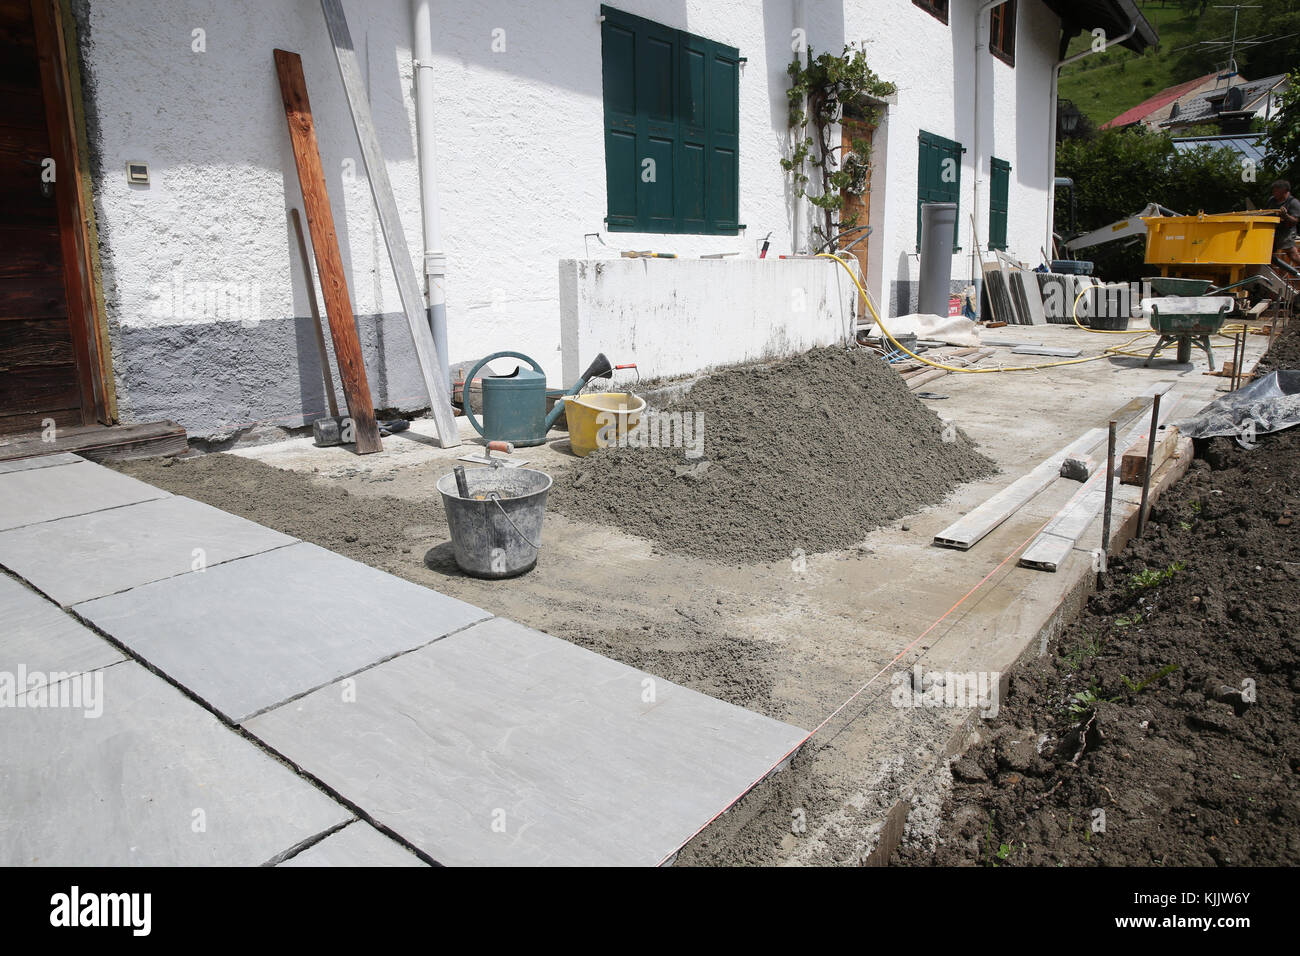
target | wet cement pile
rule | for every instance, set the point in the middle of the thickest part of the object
(805, 454)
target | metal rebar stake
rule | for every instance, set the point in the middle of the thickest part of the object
(1146, 472)
(1110, 493)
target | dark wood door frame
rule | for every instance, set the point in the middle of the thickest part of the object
(89, 346)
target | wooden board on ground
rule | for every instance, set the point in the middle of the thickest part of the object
(436, 382)
(970, 528)
(1133, 463)
(100, 442)
(1048, 551)
(329, 262)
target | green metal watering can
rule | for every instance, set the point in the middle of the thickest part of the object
(514, 405)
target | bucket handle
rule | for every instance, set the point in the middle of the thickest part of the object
(464, 387)
(535, 547)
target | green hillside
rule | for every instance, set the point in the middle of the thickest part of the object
(1106, 84)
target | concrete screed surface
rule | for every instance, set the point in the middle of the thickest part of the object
(789, 639)
(501, 745)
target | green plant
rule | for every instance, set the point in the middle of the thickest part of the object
(1149, 679)
(1086, 649)
(822, 92)
(1083, 703)
(1150, 577)
(1129, 620)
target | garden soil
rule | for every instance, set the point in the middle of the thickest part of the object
(1163, 728)
(807, 453)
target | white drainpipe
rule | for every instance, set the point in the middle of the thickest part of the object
(981, 44)
(435, 260)
(1051, 123)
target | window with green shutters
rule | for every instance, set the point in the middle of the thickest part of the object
(999, 191)
(672, 123)
(938, 178)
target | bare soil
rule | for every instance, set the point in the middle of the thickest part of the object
(1163, 728)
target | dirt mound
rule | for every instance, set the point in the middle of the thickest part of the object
(805, 454)
(1164, 728)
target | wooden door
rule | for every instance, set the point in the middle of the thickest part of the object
(49, 357)
(856, 207)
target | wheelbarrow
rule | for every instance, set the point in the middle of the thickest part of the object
(1187, 320)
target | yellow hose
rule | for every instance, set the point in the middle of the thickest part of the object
(950, 368)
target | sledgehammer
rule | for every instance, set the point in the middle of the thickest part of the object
(338, 430)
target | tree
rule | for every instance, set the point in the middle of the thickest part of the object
(1119, 171)
(1276, 21)
(1284, 132)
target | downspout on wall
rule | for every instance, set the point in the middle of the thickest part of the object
(981, 44)
(435, 260)
(1052, 122)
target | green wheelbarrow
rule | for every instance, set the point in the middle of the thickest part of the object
(1187, 320)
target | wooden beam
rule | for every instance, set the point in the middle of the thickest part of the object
(329, 262)
(1133, 465)
(1049, 550)
(408, 287)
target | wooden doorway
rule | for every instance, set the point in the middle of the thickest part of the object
(51, 363)
(857, 207)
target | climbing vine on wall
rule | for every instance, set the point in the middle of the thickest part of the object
(831, 87)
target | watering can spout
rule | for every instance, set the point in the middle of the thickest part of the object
(600, 367)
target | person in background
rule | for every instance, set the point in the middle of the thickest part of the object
(1284, 241)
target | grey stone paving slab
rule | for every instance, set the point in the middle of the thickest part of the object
(37, 638)
(42, 494)
(251, 633)
(502, 745)
(357, 844)
(155, 780)
(42, 461)
(88, 556)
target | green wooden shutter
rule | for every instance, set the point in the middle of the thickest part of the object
(723, 173)
(618, 87)
(931, 185)
(656, 117)
(999, 204)
(673, 98)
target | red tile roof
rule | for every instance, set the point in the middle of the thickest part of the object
(1163, 98)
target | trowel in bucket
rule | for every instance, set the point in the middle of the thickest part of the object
(487, 459)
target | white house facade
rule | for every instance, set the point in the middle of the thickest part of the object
(201, 291)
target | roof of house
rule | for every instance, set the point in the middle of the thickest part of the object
(1116, 17)
(1247, 145)
(1203, 108)
(1160, 100)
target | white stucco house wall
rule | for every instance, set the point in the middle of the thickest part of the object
(189, 88)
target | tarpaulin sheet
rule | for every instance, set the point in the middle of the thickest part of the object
(1269, 404)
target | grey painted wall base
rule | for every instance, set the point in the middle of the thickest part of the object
(905, 294)
(219, 378)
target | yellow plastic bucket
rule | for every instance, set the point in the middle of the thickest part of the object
(584, 413)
